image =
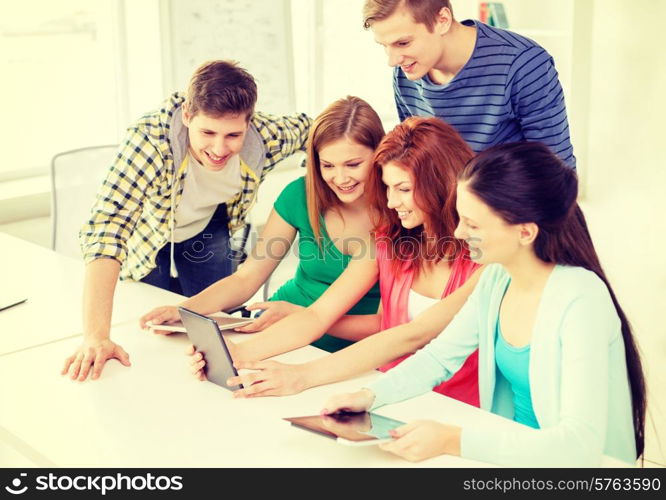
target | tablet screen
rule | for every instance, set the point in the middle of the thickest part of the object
(362, 426)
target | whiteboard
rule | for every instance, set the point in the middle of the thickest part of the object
(256, 33)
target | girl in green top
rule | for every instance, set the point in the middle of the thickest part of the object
(329, 212)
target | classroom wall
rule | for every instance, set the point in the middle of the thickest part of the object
(626, 177)
(627, 105)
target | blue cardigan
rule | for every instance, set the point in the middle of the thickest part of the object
(578, 375)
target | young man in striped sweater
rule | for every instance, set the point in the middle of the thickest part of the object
(492, 85)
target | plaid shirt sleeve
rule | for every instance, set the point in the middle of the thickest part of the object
(120, 199)
(283, 136)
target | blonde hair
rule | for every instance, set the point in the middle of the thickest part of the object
(352, 118)
(423, 11)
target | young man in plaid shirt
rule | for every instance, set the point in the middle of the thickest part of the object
(185, 177)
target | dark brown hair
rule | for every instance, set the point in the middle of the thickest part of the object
(219, 88)
(423, 11)
(526, 182)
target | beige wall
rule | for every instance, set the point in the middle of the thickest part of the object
(625, 177)
(628, 97)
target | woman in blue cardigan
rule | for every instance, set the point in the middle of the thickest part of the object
(556, 352)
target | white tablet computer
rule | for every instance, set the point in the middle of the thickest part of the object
(205, 334)
(356, 429)
(223, 323)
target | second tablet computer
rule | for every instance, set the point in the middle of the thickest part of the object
(205, 334)
(355, 429)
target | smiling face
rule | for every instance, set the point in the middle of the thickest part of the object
(490, 238)
(399, 184)
(345, 166)
(213, 141)
(409, 44)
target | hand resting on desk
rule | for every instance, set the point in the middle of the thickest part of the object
(93, 354)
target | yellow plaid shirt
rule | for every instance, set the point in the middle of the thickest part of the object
(130, 220)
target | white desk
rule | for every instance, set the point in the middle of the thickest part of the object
(155, 414)
(53, 284)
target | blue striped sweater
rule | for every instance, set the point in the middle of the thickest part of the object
(508, 91)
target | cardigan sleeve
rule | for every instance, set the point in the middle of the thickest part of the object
(436, 362)
(589, 325)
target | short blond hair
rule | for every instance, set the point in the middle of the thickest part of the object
(423, 11)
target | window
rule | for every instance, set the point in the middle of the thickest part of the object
(59, 85)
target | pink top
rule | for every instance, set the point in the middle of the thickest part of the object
(464, 385)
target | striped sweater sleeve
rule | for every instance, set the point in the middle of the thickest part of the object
(537, 100)
(403, 112)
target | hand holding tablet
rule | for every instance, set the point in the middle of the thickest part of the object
(205, 335)
(354, 429)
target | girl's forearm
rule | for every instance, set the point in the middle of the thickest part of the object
(367, 354)
(291, 332)
(356, 327)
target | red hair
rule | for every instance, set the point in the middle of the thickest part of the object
(434, 154)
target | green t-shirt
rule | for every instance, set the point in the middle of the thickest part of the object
(318, 266)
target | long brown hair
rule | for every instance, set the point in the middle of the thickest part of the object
(434, 153)
(349, 117)
(526, 182)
